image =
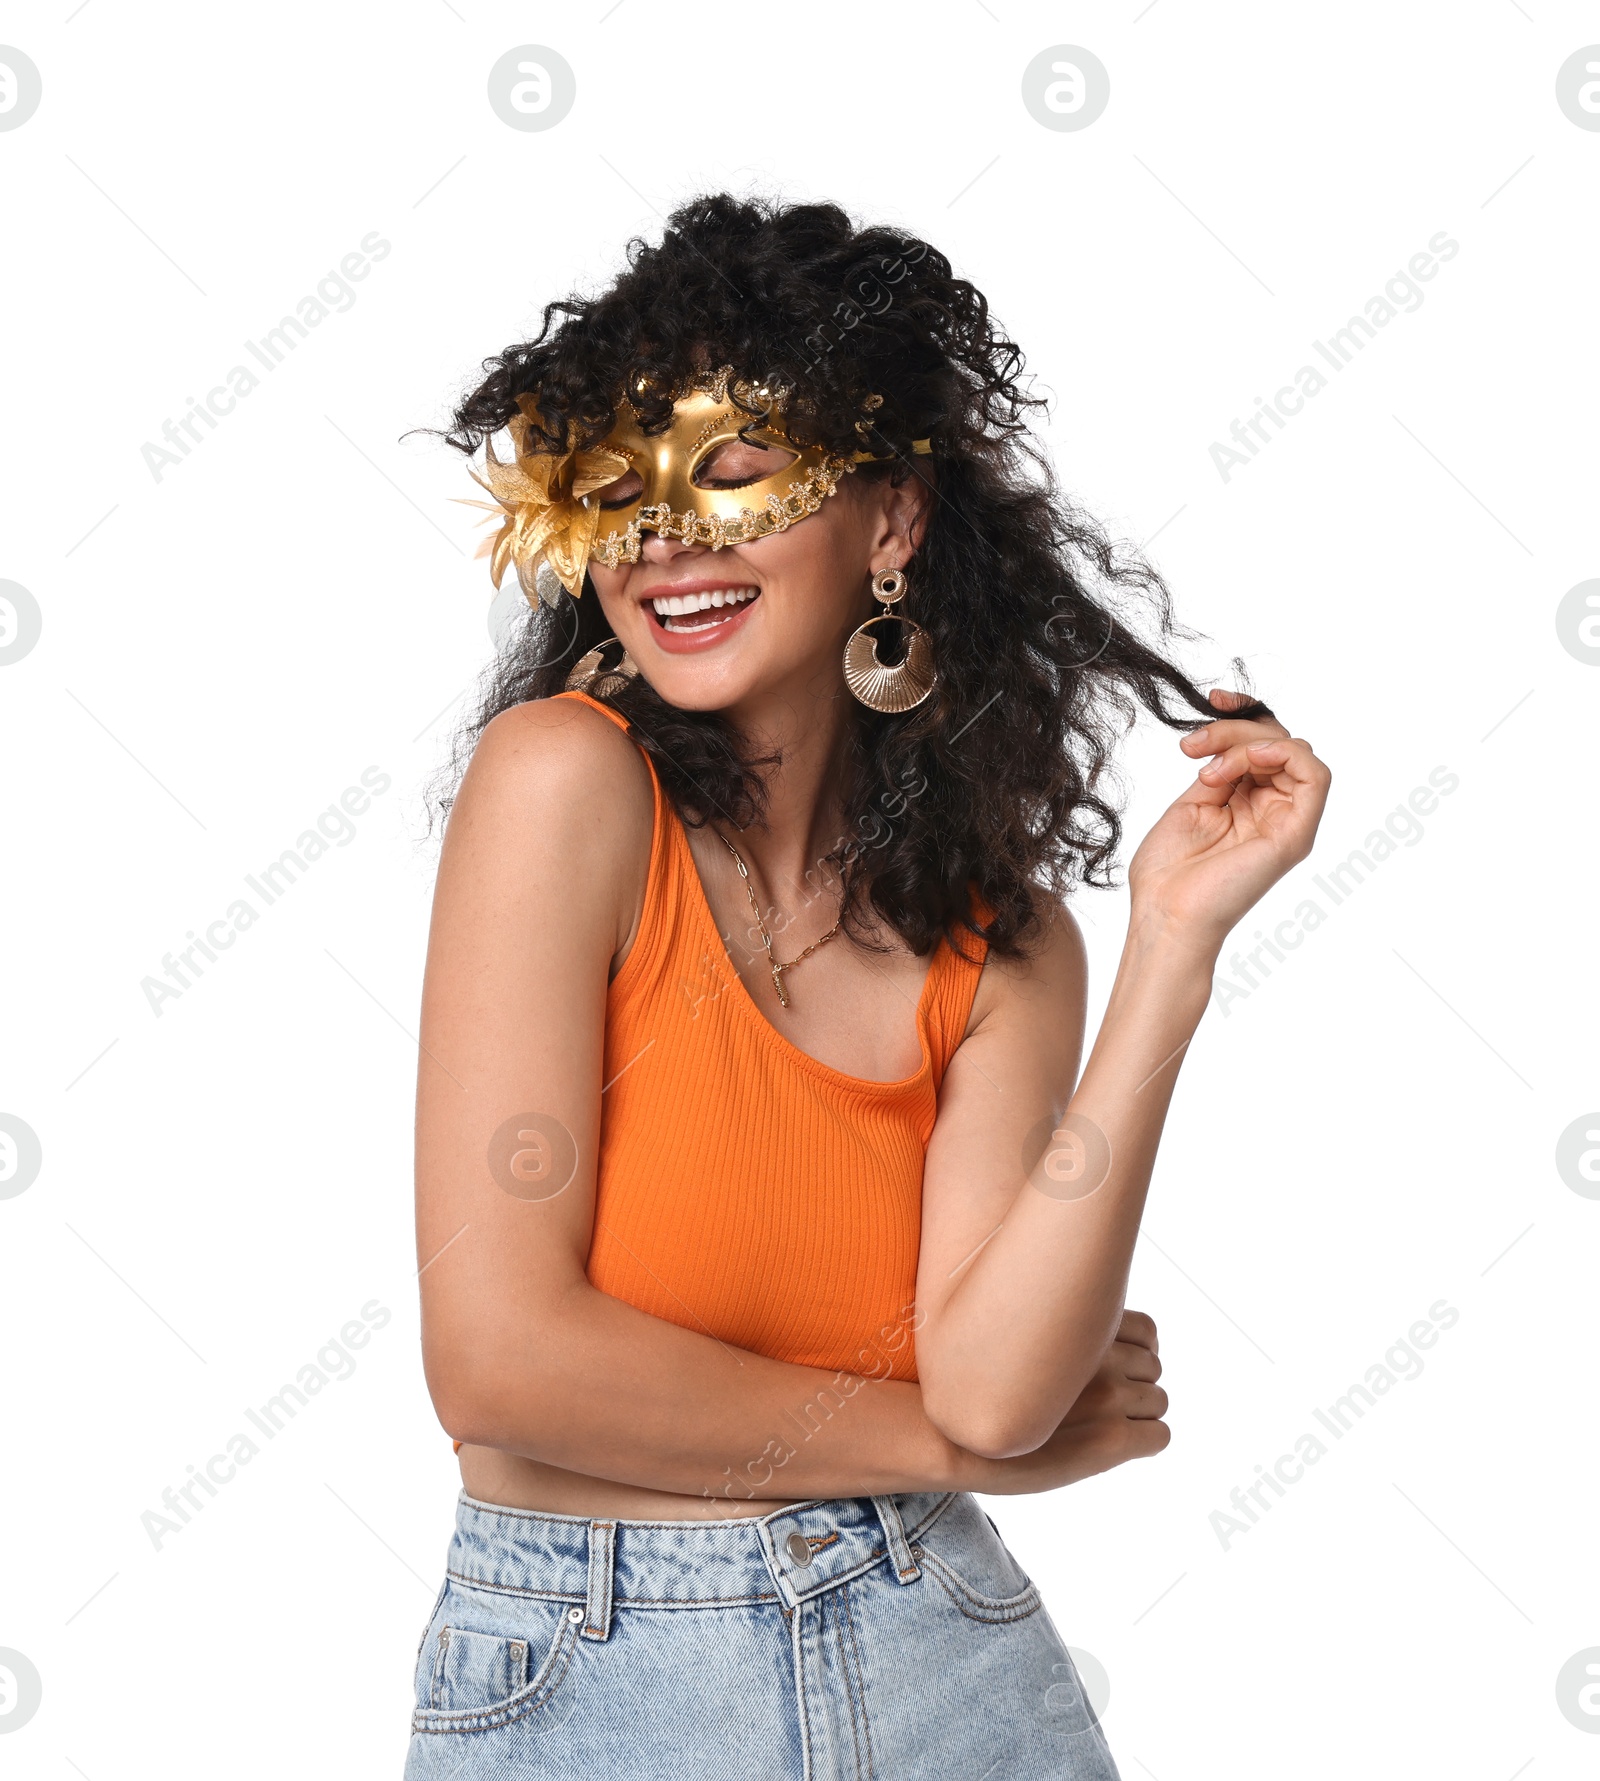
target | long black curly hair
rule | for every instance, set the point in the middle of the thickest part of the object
(1001, 779)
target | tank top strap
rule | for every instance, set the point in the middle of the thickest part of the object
(605, 711)
(661, 833)
(952, 984)
(666, 886)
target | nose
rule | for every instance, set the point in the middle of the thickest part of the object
(656, 549)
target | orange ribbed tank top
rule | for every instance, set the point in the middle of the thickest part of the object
(746, 1190)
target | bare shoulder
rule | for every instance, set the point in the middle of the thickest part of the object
(1049, 986)
(1026, 1032)
(547, 748)
(556, 800)
(559, 764)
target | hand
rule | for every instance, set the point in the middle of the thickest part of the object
(1250, 815)
(1117, 1417)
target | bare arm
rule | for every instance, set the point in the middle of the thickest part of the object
(1023, 1270)
(538, 887)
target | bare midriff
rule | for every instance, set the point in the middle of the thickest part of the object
(491, 1476)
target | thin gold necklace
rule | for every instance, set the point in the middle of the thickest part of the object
(773, 966)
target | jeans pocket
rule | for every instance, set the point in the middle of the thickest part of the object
(487, 1661)
(963, 1553)
(473, 1672)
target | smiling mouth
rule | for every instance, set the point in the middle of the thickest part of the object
(701, 612)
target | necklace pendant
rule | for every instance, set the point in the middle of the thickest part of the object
(773, 966)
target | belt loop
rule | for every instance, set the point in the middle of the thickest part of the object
(597, 1608)
(894, 1531)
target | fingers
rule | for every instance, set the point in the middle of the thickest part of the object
(1225, 700)
(1121, 1438)
(1137, 1327)
(1226, 731)
(1147, 1439)
(1270, 762)
(1146, 1403)
(1216, 739)
(1257, 759)
(1136, 1400)
(1234, 742)
(1134, 1361)
(1135, 1437)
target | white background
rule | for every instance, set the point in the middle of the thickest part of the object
(225, 649)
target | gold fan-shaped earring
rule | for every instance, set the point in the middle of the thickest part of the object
(910, 680)
(590, 675)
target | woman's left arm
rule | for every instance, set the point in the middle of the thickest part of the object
(1024, 1263)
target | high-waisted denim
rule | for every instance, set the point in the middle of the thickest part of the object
(860, 1639)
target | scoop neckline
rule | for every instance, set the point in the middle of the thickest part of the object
(667, 831)
(787, 1048)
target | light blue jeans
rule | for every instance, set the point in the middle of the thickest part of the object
(859, 1639)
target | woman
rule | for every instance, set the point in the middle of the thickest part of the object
(763, 1211)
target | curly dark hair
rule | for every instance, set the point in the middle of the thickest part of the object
(1001, 779)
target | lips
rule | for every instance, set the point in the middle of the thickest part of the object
(700, 610)
(697, 614)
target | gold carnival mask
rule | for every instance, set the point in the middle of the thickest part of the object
(553, 520)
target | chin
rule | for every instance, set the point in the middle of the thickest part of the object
(703, 682)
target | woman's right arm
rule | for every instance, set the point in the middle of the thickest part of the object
(540, 880)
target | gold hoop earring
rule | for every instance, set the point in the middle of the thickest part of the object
(878, 686)
(590, 675)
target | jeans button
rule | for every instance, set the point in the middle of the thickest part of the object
(799, 1549)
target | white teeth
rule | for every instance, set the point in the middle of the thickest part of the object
(681, 605)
